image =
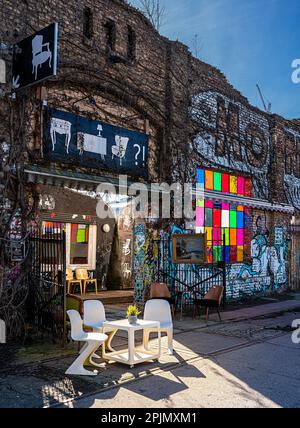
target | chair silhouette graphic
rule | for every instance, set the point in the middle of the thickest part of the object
(39, 55)
(119, 150)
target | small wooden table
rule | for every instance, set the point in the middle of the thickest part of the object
(132, 356)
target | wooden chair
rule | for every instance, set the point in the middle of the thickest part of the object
(161, 291)
(84, 277)
(212, 299)
(72, 282)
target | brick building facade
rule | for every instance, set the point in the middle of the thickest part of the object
(114, 68)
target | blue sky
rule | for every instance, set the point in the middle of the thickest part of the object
(251, 41)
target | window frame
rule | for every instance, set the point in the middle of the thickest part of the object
(91, 252)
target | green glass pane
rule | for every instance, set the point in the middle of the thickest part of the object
(226, 232)
(233, 219)
(218, 181)
(200, 203)
(217, 251)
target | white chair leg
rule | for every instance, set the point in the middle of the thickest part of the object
(146, 339)
(170, 342)
(97, 357)
(77, 368)
(107, 345)
(83, 348)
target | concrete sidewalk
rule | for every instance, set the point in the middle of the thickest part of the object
(261, 310)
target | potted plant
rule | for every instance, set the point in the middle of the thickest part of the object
(132, 314)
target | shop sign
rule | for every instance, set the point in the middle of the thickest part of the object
(76, 140)
(35, 58)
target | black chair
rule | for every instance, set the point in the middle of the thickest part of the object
(213, 299)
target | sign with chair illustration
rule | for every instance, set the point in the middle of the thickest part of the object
(35, 58)
(77, 140)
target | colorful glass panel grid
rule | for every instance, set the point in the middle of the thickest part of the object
(226, 226)
(225, 183)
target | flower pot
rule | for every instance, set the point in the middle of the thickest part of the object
(132, 320)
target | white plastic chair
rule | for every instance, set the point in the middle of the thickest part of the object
(94, 317)
(159, 310)
(93, 341)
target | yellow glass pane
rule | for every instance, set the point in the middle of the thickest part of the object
(240, 254)
(233, 184)
(209, 234)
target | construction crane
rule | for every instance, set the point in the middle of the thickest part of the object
(267, 109)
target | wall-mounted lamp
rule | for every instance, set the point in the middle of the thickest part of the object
(106, 228)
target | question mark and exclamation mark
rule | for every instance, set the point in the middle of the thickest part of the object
(139, 152)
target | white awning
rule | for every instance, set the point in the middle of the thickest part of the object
(243, 201)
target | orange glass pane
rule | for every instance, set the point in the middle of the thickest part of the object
(233, 237)
(209, 180)
(210, 254)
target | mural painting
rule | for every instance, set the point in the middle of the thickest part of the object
(292, 167)
(125, 226)
(229, 135)
(266, 272)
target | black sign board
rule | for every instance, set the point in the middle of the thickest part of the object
(35, 58)
(93, 144)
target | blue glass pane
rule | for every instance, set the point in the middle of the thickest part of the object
(200, 176)
(217, 205)
(227, 254)
(240, 220)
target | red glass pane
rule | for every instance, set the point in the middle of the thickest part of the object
(233, 254)
(225, 183)
(74, 229)
(217, 218)
(248, 188)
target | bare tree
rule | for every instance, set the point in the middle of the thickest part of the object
(154, 11)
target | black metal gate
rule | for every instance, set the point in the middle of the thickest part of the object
(186, 282)
(46, 306)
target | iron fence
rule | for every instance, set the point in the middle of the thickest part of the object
(46, 305)
(187, 282)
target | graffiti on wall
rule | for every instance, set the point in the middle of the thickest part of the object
(232, 136)
(292, 167)
(267, 271)
(125, 227)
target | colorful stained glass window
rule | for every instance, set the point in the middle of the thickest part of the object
(79, 244)
(226, 225)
